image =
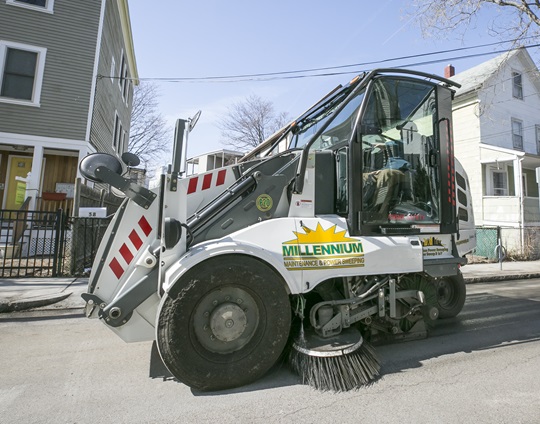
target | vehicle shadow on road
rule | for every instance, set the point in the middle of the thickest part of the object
(279, 376)
(487, 321)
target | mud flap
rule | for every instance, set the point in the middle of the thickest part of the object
(157, 367)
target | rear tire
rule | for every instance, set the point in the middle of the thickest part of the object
(225, 323)
(451, 293)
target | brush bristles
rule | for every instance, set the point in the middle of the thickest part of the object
(336, 373)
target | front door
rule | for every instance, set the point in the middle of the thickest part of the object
(19, 166)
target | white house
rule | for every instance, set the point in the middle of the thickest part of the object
(497, 139)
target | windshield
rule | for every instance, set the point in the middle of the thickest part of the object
(337, 131)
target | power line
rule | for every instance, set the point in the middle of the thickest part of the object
(309, 73)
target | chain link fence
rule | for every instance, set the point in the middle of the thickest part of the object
(517, 243)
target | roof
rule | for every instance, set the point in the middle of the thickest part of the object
(474, 78)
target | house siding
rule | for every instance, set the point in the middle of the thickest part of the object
(466, 138)
(69, 35)
(500, 107)
(108, 97)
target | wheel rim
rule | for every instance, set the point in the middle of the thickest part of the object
(446, 294)
(225, 320)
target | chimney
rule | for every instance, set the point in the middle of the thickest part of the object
(449, 71)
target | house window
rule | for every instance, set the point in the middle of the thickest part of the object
(517, 134)
(129, 86)
(113, 69)
(123, 81)
(123, 146)
(517, 85)
(118, 134)
(21, 73)
(500, 183)
(537, 139)
(41, 5)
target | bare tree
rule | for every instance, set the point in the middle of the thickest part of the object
(516, 19)
(149, 135)
(248, 123)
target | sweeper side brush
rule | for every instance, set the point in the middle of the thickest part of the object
(336, 364)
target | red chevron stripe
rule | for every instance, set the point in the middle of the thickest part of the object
(192, 187)
(126, 253)
(135, 239)
(207, 181)
(221, 177)
(116, 268)
(145, 226)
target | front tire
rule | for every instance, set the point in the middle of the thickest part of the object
(451, 293)
(225, 323)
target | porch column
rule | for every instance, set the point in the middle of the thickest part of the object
(34, 179)
(518, 184)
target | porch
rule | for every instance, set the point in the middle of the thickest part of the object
(44, 175)
(510, 211)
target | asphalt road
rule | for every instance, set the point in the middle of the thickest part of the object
(482, 367)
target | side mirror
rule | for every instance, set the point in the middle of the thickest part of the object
(193, 121)
(91, 162)
(105, 168)
(130, 159)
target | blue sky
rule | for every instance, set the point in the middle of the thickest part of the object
(202, 38)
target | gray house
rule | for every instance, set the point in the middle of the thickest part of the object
(67, 70)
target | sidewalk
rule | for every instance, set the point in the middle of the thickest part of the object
(18, 294)
(483, 272)
(64, 294)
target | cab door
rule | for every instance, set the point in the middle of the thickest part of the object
(403, 160)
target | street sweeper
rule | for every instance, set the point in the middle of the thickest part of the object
(344, 229)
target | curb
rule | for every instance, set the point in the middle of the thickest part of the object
(488, 278)
(37, 302)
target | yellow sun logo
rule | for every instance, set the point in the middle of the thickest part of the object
(319, 236)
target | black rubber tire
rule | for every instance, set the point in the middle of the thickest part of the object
(451, 293)
(213, 289)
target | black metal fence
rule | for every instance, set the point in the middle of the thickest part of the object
(81, 247)
(48, 244)
(32, 243)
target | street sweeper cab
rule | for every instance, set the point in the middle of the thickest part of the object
(346, 228)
